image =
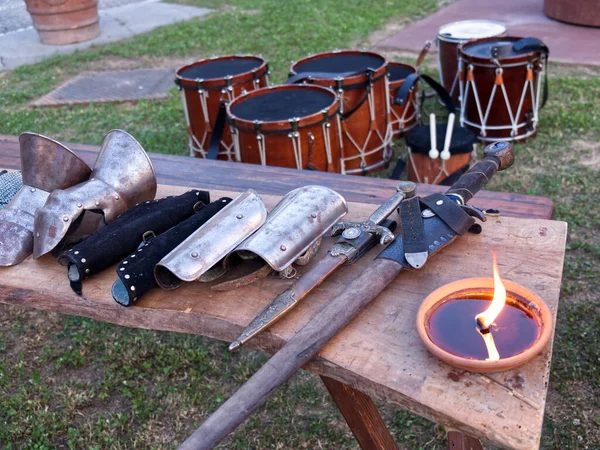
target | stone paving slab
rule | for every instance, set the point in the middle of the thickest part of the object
(24, 47)
(110, 86)
(568, 43)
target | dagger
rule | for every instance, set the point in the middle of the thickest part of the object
(356, 238)
(446, 220)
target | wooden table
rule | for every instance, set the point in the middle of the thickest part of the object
(378, 354)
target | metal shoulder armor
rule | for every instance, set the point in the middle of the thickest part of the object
(122, 177)
(46, 165)
(199, 256)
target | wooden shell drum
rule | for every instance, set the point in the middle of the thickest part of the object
(294, 126)
(360, 80)
(449, 37)
(204, 84)
(500, 89)
(405, 117)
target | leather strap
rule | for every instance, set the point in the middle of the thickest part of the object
(217, 132)
(453, 177)
(398, 169)
(409, 82)
(304, 76)
(413, 233)
(450, 213)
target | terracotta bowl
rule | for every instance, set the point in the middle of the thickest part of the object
(516, 293)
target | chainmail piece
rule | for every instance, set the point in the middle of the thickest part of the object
(10, 183)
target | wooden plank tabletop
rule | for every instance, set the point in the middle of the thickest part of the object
(379, 353)
(192, 172)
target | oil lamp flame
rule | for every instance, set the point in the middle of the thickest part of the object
(486, 318)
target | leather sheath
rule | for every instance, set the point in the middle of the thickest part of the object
(449, 212)
(122, 236)
(415, 249)
(136, 272)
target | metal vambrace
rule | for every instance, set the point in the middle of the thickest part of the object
(136, 272)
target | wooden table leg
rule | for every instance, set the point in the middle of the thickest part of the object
(361, 415)
(457, 440)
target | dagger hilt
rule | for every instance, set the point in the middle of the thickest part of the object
(498, 156)
(404, 190)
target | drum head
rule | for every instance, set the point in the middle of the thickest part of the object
(282, 104)
(221, 67)
(467, 30)
(341, 62)
(399, 71)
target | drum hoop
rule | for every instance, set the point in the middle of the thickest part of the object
(502, 66)
(348, 87)
(362, 84)
(441, 37)
(240, 78)
(524, 58)
(325, 119)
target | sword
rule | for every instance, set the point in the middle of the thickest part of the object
(356, 239)
(446, 217)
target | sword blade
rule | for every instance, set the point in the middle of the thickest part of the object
(290, 298)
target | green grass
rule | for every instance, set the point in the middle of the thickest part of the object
(69, 382)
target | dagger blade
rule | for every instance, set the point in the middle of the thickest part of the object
(289, 298)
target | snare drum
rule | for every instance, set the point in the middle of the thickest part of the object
(403, 117)
(450, 36)
(204, 84)
(360, 80)
(500, 87)
(294, 126)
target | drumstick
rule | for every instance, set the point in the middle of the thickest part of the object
(446, 151)
(433, 153)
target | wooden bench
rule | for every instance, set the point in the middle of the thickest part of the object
(378, 354)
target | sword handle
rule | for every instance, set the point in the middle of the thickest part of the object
(498, 156)
(406, 189)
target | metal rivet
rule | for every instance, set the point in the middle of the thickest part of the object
(132, 288)
(116, 197)
(351, 233)
(283, 248)
(87, 270)
(134, 299)
(239, 216)
(122, 269)
(83, 260)
(32, 189)
(79, 205)
(124, 262)
(97, 203)
(92, 179)
(37, 234)
(439, 202)
(140, 250)
(194, 254)
(65, 219)
(313, 215)
(132, 256)
(127, 277)
(197, 193)
(76, 253)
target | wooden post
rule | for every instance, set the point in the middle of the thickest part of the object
(457, 440)
(361, 415)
